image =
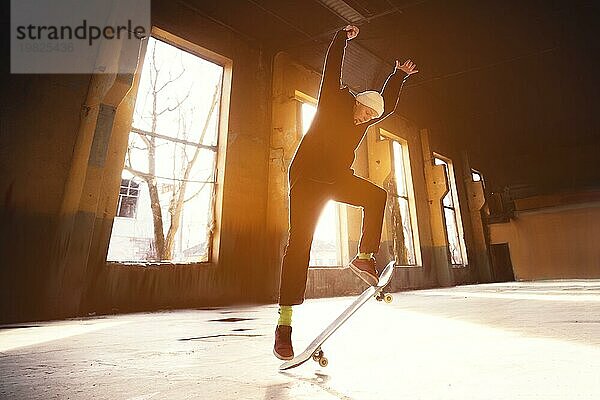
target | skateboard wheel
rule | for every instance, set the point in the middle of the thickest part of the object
(388, 298)
(323, 362)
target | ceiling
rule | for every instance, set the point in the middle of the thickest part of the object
(514, 82)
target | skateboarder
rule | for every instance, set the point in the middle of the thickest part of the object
(321, 171)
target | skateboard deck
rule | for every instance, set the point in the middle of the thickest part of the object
(314, 350)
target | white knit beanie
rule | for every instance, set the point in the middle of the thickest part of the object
(371, 99)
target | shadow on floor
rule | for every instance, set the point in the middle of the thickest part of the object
(320, 380)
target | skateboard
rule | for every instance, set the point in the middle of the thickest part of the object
(314, 350)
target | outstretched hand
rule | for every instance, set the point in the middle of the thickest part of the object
(351, 31)
(408, 67)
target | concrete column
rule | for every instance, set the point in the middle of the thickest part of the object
(86, 174)
(437, 186)
(106, 204)
(476, 202)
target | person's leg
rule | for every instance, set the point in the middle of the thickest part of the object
(356, 191)
(306, 203)
(307, 199)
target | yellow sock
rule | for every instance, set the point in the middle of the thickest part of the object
(365, 256)
(285, 315)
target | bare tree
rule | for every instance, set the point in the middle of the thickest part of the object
(164, 244)
(178, 195)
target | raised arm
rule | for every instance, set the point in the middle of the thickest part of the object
(393, 86)
(332, 71)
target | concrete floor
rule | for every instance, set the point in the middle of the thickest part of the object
(501, 341)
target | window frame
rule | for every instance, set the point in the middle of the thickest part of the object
(458, 220)
(214, 234)
(410, 190)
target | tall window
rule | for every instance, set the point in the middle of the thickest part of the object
(452, 218)
(401, 230)
(329, 246)
(405, 200)
(168, 181)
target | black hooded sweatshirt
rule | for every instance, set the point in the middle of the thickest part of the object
(327, 150)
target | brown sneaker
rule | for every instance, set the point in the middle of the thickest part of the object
(283, 343)
(365, 269)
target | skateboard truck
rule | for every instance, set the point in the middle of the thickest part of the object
(319, 357)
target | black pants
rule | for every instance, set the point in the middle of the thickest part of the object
(307, 199)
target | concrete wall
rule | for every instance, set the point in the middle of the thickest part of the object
(553, 237)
